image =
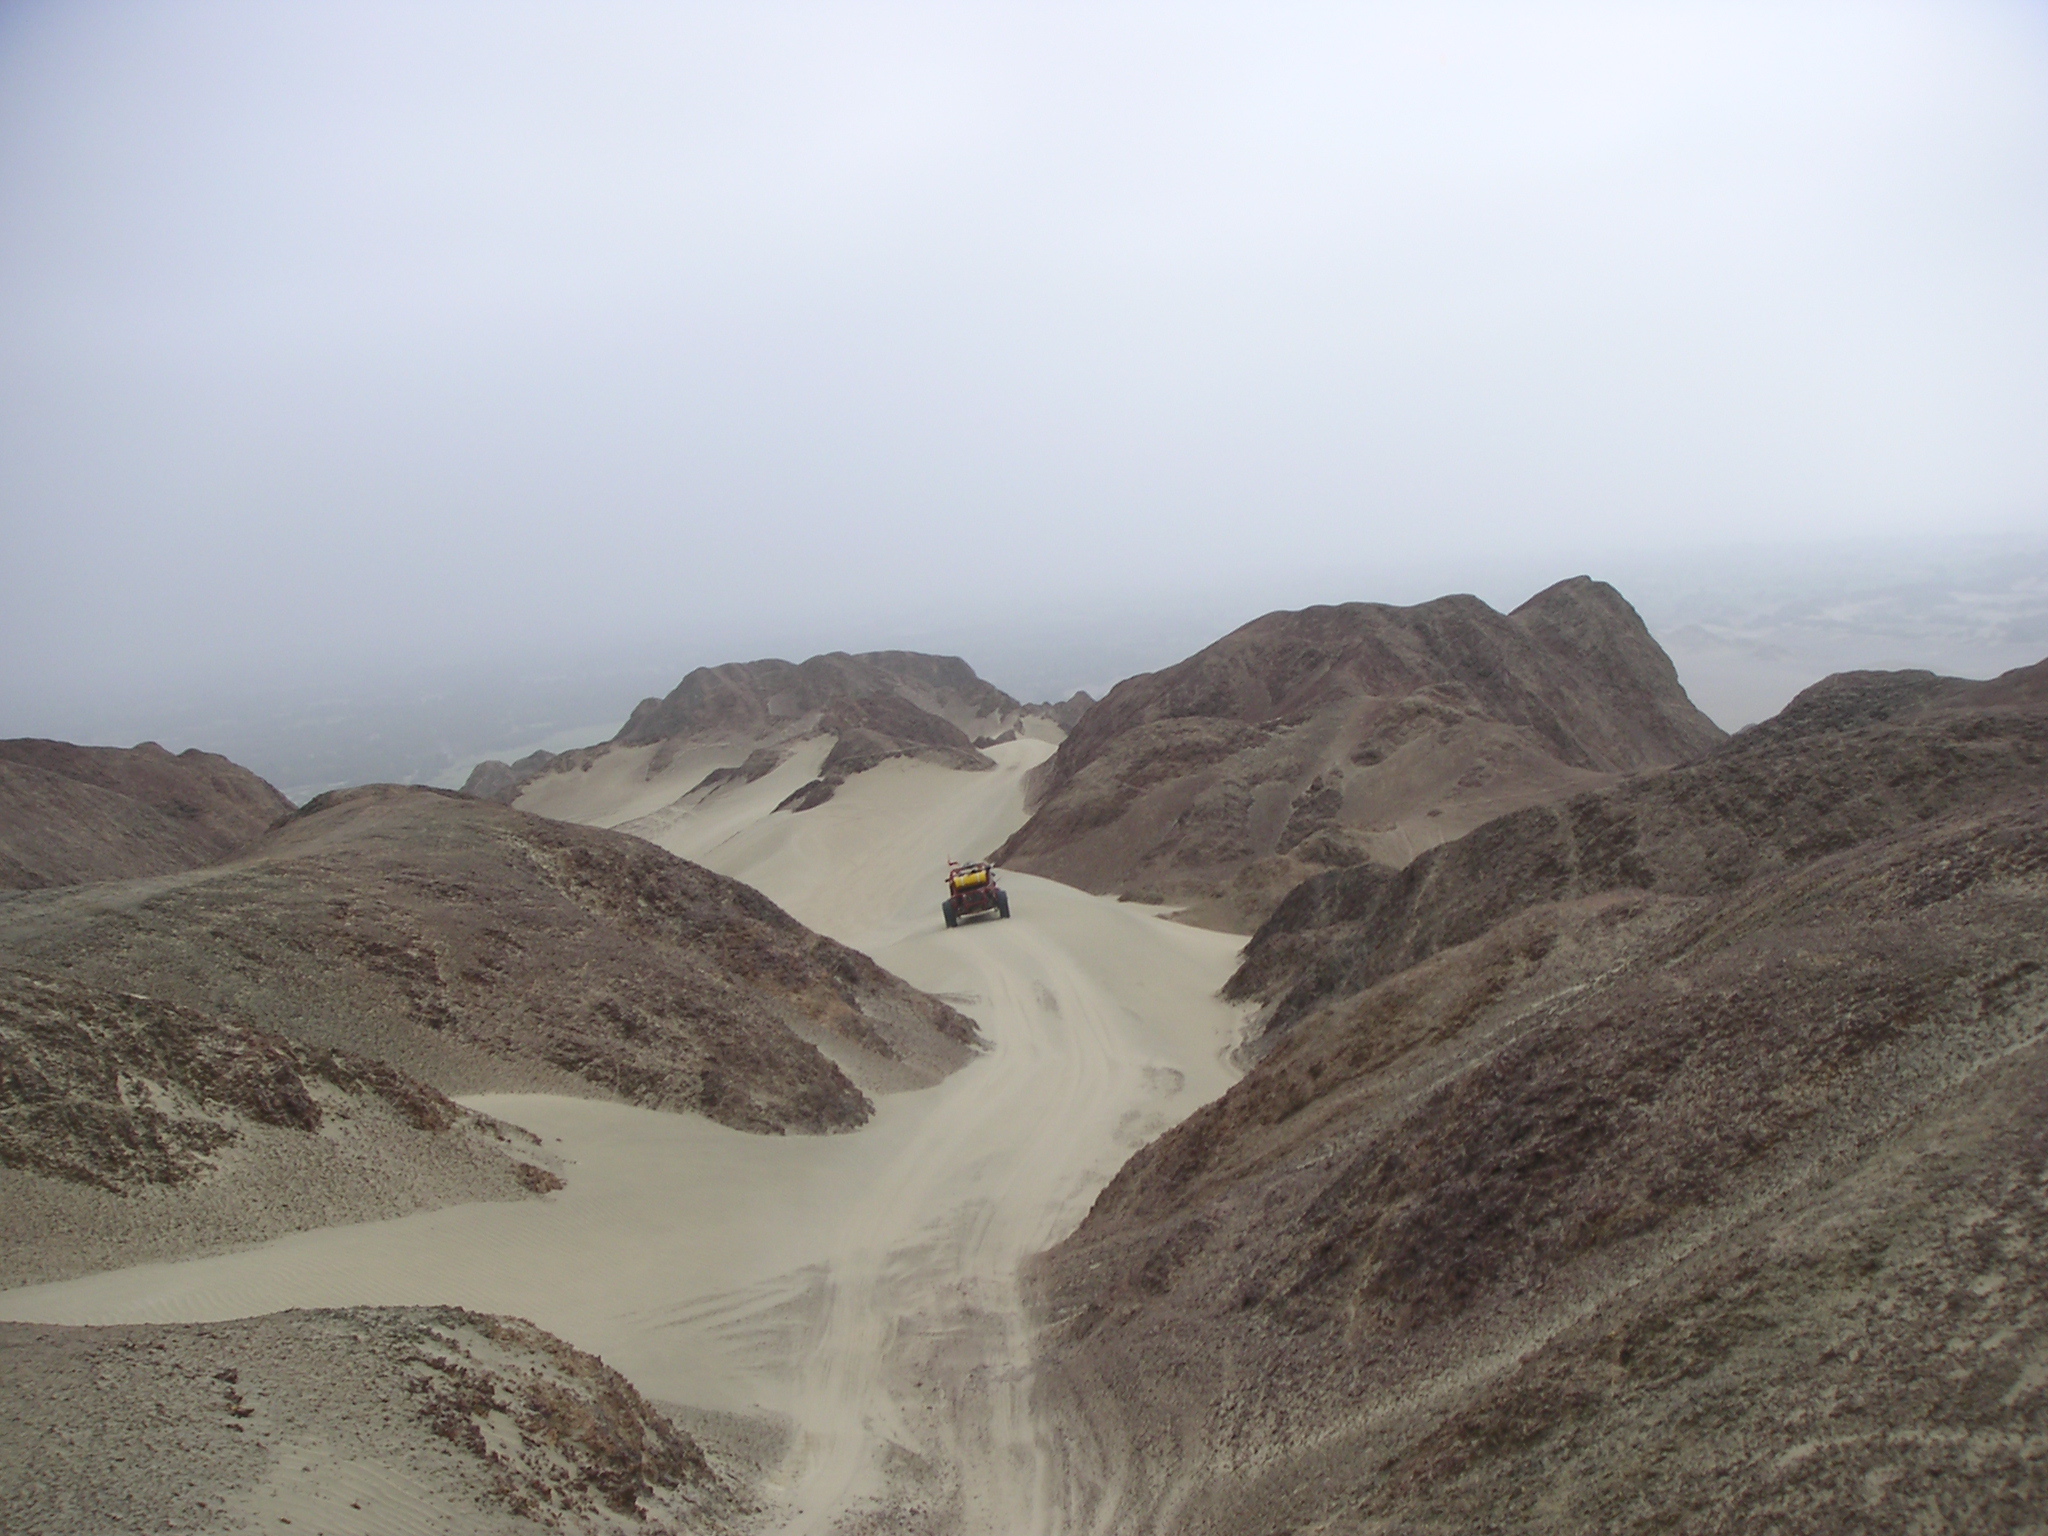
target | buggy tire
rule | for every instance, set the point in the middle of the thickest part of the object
(1003, 902)
(950, 913)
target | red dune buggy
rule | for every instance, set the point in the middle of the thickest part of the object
(971, 891)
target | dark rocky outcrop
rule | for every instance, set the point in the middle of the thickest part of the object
(872, 730)
(132, 1128)
(1066, 714)
(1344, 735)
(1675, 1156)
(119, 1090)
(477, 947)
(759, 763)
(493, 780)
(70, 814)
(884, 725)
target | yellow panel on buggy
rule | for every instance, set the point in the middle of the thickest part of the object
(967, 879)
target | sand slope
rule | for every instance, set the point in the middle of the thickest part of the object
(746, 717)
(862, 1286)
(131, 1129)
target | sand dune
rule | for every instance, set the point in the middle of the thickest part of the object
(880, 705)
(861, 1288)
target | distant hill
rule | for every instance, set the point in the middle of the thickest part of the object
(70, 814)
(1335, 736)
(1858, 756)
(756, 697)
(1677, 1148)
(1068, 712)
(479, 948)
(879, 705)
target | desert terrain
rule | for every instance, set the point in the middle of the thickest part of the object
(70, 814)
(1665, 1151)
(1670, 1158)
(835, 1318)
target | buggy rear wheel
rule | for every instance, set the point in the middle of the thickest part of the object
(950, 913)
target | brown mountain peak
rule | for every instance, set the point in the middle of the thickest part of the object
(1340, 733)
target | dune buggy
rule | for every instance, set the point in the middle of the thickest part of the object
(971, 891)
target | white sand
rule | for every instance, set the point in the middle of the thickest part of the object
(616, 786)
(863, 1285)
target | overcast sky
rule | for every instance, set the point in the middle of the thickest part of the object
(337, 336)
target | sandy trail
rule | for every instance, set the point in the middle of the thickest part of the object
(864, 1286)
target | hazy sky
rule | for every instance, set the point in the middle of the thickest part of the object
(332, 335)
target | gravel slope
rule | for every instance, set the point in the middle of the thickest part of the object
(1677, 1159)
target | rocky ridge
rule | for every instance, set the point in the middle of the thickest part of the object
(1853, 758)
(479, 948)
(70, 814)
(1338, 736)
(880, 704)
(869, 730)
(1697, 1177)
(757, 697)
(748, 717)
(119, 1090)
(1068, 712)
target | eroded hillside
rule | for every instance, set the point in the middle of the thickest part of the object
(1340, 736)
(360, 1419)
(132, 1129)
(750, 717)
(478, 947)
(1676, 1155)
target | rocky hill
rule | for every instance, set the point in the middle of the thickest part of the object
(755, 698)
(479, 948)
(133, 1129)
(1337, 736)
(1678, 1155)
(1068, 712)
(360, 1419)
(872, 729)
(70, 814)
(879, 705)
(1853, 758)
